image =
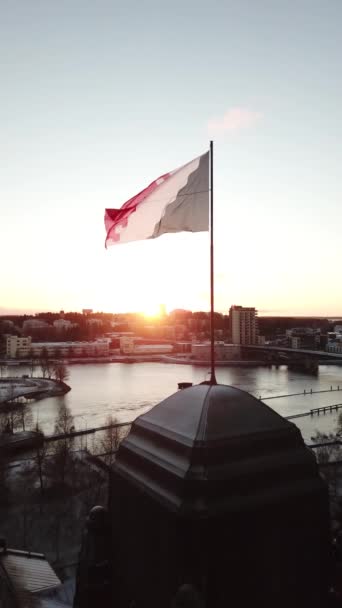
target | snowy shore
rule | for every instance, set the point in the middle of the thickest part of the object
(35, 388)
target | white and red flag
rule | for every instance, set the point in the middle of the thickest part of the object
(175, 202)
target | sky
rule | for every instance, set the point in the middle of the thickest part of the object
(100, 98)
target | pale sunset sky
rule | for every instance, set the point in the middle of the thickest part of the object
(100, 97)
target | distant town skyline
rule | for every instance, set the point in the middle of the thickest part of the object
(101, 98)
(154, 313)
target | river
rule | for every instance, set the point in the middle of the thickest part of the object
(127, 390)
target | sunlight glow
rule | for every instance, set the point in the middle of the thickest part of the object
(153, 311)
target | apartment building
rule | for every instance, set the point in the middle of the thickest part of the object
(243, 325)
(21, 348)
(17, 347)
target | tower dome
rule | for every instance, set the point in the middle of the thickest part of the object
(213, 489)
(203, 445)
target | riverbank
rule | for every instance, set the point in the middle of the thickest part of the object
(15, 387)
(125, 391)
(148, 358)
(207, 363)
(144, 359)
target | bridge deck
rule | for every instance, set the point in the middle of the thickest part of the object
(301, 351)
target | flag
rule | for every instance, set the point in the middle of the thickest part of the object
(175, 202)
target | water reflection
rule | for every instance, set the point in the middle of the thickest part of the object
(126, 391)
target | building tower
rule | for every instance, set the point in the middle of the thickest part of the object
(219, 495)
(243, 325)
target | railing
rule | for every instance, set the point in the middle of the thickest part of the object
(86, 431)
(305, 392)
(324, 444)
(325, 409)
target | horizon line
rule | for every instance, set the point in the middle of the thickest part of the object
(29, 312)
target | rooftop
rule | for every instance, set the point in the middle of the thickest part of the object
(27, 571)
(216, 435)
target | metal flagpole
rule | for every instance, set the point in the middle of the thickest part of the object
(212, 319)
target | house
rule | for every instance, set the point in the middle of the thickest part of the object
(25, 578)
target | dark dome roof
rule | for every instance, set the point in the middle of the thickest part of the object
(209, 413)
(210, 434)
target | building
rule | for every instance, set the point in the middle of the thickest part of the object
(201, 351)
(334, 340)
(21, 348)
(334, 347)
(183, 347)
(17, 347)
(243, 325)
(6, 325)
(218, 491)
(130, 345)
(94, 322)
(300, 331)
(63, 324)
(303, 337)
(127, 345)
(153, 349)
(94, 348)
(30, 324)
(26, 578)
(296, 342)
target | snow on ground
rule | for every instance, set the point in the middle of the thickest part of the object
(62, 597)
(11, 388)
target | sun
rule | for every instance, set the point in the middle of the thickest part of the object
(153, 311)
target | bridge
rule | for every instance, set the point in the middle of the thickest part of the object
(320, 354)
(301, 359)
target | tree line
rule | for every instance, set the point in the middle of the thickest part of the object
(46, 496)
(54, 462)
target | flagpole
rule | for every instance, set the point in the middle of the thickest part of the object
(212, 318)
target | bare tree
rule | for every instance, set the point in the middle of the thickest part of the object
(331, 451)
(339, 425)
(4, 489)
(39, 461)
(26, 506)
(16, 416)
(62, 462)
(32, 363)
(328, 452)
(64, 423)
(110, 441)
(45, 363)
(60, 372)
(10, 418)
(10, 392)
(4, 421)
(39, 465)
(24, 415)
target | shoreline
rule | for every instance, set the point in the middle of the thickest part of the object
(142, 359)
(129, 359)
(17, 387)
